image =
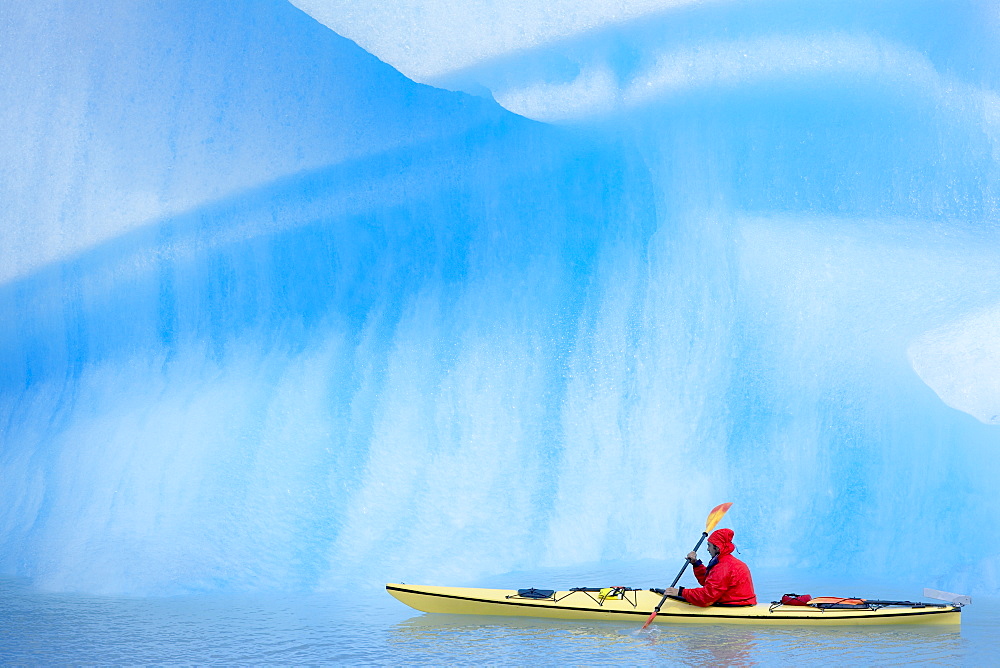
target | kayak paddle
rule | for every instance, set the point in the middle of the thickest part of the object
(713, 519)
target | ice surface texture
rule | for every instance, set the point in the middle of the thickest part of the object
(276, 316)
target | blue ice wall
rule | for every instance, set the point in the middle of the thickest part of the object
(275, 316)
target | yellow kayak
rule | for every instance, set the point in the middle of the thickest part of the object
(622, 604)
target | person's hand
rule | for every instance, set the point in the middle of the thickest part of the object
(692, 557)
(671, 591)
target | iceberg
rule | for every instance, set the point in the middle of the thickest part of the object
(294, 306)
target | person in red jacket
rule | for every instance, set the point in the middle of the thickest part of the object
(725, 581)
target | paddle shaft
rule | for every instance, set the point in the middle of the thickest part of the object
(677, 579)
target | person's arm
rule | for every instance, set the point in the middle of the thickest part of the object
(699, 572)
(715, 585)
(699, 568)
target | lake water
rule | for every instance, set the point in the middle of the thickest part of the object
(369, 627)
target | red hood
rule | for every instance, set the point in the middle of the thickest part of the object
(722, 539)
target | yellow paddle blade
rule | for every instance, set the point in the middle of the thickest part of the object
(716, 515)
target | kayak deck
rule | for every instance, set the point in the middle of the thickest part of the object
(634, 605)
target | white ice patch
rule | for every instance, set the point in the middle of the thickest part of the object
(564, 61)
(425, 39)
(780, 57)
(722, 64)
(961, 363)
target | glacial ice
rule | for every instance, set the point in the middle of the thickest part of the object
(276, 316)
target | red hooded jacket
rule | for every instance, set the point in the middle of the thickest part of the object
(726, 582)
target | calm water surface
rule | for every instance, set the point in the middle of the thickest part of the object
(369, 627)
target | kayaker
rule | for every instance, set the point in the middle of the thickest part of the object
(724, 581)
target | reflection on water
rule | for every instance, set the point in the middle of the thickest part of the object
(449, 638)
